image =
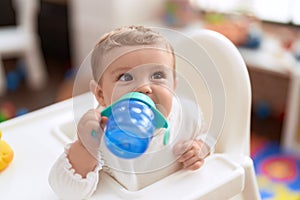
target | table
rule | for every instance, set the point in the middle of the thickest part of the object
(36, 149)
(286, 65)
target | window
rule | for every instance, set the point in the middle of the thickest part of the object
(282, 11)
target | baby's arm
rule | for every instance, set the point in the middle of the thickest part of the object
(67, 183)
(75, 173)
(81, 160)
(83, 153)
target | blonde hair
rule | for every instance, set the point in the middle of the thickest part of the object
(126, 36)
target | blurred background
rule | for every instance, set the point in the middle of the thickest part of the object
(63, 32)
(51, 23)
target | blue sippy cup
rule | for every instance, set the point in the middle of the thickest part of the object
(132, 121)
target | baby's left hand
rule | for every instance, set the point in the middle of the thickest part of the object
(191, 153)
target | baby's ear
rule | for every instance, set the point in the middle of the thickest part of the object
(97, 91)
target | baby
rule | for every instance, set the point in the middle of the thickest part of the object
(130, 59)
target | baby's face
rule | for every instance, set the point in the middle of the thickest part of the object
(149, 71)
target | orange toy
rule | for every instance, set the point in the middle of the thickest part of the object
(6, 154)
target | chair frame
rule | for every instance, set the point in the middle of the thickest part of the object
(23, 40)
(228, 173)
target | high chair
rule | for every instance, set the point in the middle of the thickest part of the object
(228, 173)
(22, 40)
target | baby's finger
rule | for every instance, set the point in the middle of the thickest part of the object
(191, 161)
(181, 147)
(103, 122)
(186, 156)
(92, 115)
(194, 166)
(93, 128)
(177, 150)
(91, 137)
(85, 126)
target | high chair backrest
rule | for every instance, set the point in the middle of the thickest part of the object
(26, 14)
(235, 132)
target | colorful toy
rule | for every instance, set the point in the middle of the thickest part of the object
(2, 117)
(131, 124)
(178, 13)
(278, 172)
(263, 110)
(253, 40)
(6, 154)
(8, 111)
(21, 111)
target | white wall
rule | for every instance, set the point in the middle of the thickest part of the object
(90, 19)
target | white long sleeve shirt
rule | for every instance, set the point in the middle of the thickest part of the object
(133, 174)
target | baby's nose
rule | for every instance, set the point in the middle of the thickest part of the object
(145, 89)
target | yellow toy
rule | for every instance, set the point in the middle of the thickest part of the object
(6, 154)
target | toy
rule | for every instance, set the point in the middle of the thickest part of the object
(2, 117)
(178, 13)
(15, 77)
(8, 111)
(131, 124)
(263, 110)
(6, 154)
(21, 111)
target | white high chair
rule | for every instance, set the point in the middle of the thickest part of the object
(228, 173)
(22, 40)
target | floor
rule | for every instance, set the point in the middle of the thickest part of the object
(277, 171)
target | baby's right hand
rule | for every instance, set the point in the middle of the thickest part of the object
(90, 131)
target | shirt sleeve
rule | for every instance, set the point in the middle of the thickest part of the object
(202, 130)
(208, 140)
(193, 121)
(69, 185)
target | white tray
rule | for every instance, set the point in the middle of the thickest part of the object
(38, 139)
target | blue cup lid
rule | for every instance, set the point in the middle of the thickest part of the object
(160, 120)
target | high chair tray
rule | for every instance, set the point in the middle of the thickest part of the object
(37, 142)
(35, 151)
(185, 185)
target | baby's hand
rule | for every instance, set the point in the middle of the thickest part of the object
(90, 132)
(191, 153)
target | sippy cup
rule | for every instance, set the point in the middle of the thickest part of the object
(132, 121)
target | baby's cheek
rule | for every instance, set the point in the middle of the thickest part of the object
(165, 106)
(162, 109)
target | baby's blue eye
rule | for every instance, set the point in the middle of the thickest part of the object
(125, 77)
(158, 75)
